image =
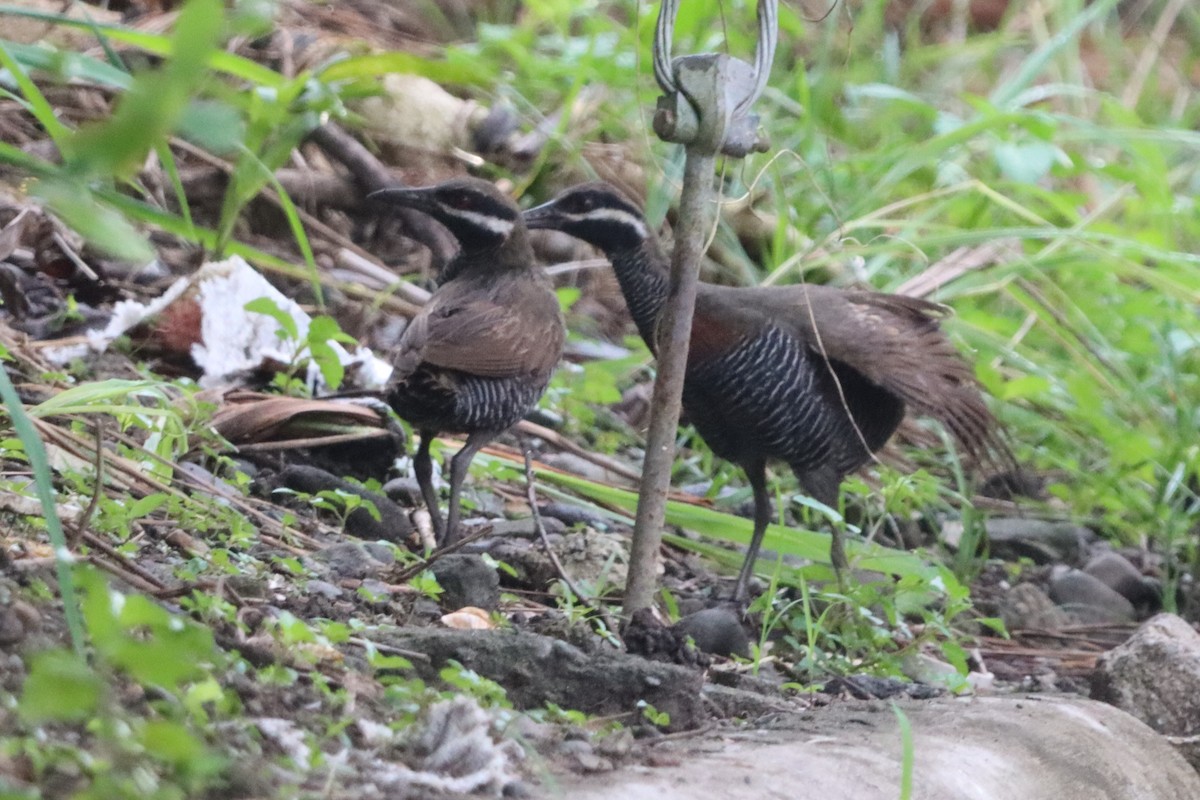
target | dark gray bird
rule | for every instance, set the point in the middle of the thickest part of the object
(813, 376)
(479, 355)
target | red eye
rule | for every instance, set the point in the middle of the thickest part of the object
(460, 200)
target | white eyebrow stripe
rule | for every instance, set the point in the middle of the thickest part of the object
(617, 215)
(500, 227)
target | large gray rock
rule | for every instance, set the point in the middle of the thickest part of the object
(536, 670)
(1118, 573)
(1155, 676)
(1088, 600)
(995, 748)
(1042, 541)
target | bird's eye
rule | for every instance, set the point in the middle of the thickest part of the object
(579, 204)
(459, 200)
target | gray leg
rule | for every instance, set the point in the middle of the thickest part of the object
(757, 475)
(423, 467)
(458, 471)
(824, 487)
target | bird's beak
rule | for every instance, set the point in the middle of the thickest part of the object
(420, 199)
(544, 216)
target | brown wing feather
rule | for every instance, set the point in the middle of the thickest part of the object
(898, 343)
(478, 333)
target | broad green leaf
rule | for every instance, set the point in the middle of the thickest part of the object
(61, 686)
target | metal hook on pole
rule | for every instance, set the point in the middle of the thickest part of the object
(706, 108)
(689, 83)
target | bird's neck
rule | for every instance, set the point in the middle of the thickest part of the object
(642, 274)
(511, 255)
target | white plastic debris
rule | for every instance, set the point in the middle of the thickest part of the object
(233, 340)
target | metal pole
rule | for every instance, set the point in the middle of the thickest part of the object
(705, 108)
(674, 335)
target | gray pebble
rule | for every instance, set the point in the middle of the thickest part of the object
(323, 588)
(466, 580)
(347, 560)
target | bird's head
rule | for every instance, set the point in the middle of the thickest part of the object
(596, 213)
(476, 213)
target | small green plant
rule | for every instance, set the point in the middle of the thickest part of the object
(489, 693)
(145, 749)
(659, 719)
(315, 344)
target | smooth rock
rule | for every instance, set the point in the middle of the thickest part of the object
(984, 748)
(522, 527)
(324, 589)
(1087, 599)
(393, 524)
(1155, 676)
(18, 619)
(1043, 542)
(1027, 606)
(527, 559)
(570, 515)
(1117, 573)
(717, 631)
(466, 580)
(403, 490)
(536, 670)
(348, 560)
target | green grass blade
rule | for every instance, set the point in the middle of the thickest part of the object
(1002, 96)
(43, 484)
(219, 60)
(39, 106)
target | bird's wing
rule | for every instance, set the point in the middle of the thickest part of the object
(484, 335)
(896, 342)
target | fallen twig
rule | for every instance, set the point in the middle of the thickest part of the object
(531, 496)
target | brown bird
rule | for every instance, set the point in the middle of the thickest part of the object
(479, 355)
(813, 376)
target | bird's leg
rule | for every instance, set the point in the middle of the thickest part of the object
(458, 471)
(825, 487)
(837, 556)
(423, 467)
(757, 475)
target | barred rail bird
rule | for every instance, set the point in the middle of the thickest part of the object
(813, 376)
(480, 353)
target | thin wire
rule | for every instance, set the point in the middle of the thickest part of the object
(764, 49)
(764, 52)
(664, 31)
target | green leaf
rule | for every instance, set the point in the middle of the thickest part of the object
(103, 228)
(67, 66)
(153, 105)
(147, 505)
(1028, 162)
(132, 633)
(725, 527)
(267, 306)
(171, 742)
(212, 125)
(37, 103)
(60, 687)
(157, 44)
